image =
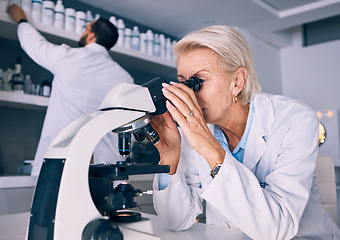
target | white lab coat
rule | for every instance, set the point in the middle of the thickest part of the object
(281, 150)
(82, 77)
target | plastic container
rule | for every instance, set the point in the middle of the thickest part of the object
(27, 84)
(70, 19)
(149, 38)
(173, 56)
(59, 15)
(113, 20)
(168, 49)
(47, 14)
(121, 28)
(127, 37)
(143, 43)
(89, 17)
(80, 21)
(135, 40)
(45, 88)
(162, 45)
(26, 5)
(36, 11)
(156, 46)
(97, 16)
(17, 2)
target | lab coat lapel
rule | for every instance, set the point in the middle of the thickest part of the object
(262, 123)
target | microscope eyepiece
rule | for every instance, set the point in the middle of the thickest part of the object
(194, 83)
(143, 129)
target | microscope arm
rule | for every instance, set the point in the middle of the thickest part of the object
(71, 151)
(62, 206)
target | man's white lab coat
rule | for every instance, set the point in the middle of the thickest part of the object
(82, 77)
(281, 151)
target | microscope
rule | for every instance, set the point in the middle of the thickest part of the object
(74, 199)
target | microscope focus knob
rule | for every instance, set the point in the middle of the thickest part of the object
(102, 229)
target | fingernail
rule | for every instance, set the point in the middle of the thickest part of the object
(165, 90)
(165, 84)
(173, 83)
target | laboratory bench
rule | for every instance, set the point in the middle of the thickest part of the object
(14, 227)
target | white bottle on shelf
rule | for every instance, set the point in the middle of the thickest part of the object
(80, 21)
(70, 19)
(113, 20)
(162, 45)
(97, 16)
(143, 43)
(173, 56)
(135, 41)
(156, 46)
(36, 11)
(89, 17)
(47, 14)
(45, 88)
(27, 84)
(168, 49)
(17, 2)
(26, 5)
(149, 37)
(121, 28)
(59, 15)
(127, 37)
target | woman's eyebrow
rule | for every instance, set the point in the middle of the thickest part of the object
(195, 74)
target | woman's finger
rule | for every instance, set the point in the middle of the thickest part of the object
(182, 98)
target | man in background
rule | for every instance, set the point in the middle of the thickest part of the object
(82, 78)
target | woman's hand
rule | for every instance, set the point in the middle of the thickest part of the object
(185, 110)
(169, 145)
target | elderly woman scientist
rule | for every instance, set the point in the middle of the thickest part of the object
(251, 156)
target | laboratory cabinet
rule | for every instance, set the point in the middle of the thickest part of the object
(129, 58)
(22, 116)
(140, 65)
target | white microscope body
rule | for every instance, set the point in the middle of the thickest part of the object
(62, 207)
(62, 204)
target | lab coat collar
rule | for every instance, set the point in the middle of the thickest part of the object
(262, 124)
(97, 47)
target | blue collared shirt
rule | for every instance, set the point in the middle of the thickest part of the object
(238, 152)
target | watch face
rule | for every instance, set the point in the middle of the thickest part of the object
(215, 170)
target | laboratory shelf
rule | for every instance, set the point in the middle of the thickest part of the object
(22, 100)
(126, 57)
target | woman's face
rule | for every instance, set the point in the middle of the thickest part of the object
(215, 96)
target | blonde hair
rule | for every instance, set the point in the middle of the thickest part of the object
(232, 49)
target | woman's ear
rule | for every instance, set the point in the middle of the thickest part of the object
(240, 79)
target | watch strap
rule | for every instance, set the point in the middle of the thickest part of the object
(22, 20)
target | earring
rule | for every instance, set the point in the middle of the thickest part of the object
(234, 99)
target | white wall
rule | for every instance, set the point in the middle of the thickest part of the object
(267, 63)
(312, 74)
